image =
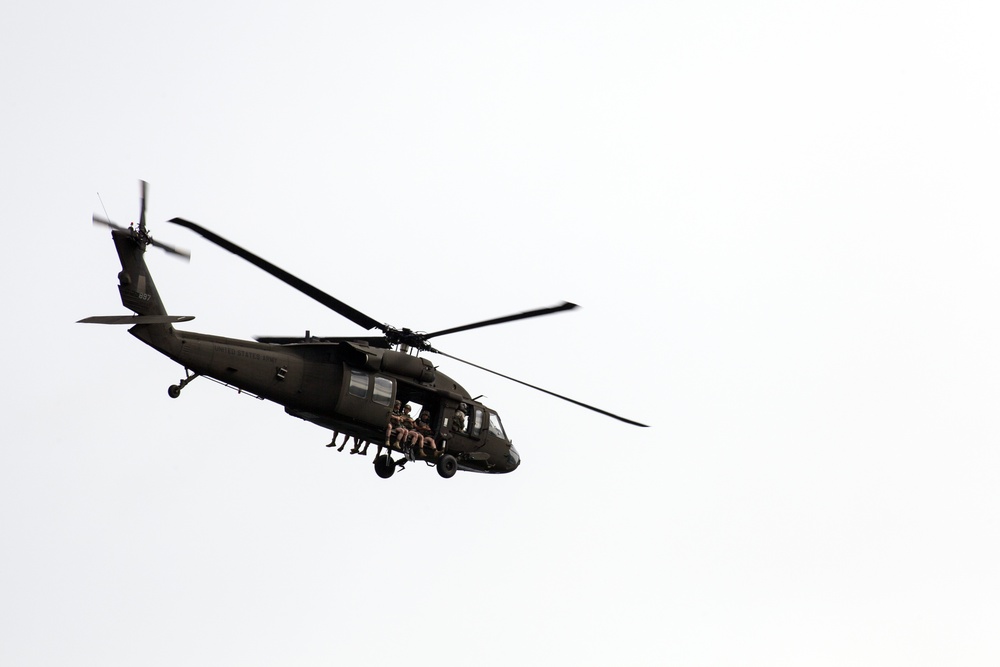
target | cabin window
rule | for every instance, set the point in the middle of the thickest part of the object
(359, 384)
(477, 424)
(495, 427)
(383, 391)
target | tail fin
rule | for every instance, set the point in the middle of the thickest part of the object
(151, 324)
(134, 282)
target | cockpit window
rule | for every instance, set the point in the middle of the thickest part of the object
(495, 427)
(477, 424)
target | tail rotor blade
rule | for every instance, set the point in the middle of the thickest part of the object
(173, 250)
(142, 235)
(143, 188)
(101, 220)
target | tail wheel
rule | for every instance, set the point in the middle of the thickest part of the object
(174, 390)
(385, 466)
(447, 465)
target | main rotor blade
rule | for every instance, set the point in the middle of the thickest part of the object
(565, 305)
(550, 393)
(370, 341)
(330, 302)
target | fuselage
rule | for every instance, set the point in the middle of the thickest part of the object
(348, 386)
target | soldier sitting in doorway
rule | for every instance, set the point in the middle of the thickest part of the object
(395, 419)
(403, 427)
(357, 447)
(420, 437)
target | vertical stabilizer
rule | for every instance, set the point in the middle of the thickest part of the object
(134, 282)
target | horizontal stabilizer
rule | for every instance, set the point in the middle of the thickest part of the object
(136, 319)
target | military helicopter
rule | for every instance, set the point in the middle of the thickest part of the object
(356, 387)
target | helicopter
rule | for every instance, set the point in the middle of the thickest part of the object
(357, 386)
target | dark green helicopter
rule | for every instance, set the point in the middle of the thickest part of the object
(354, 386)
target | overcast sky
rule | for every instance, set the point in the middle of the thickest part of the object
(779, 218)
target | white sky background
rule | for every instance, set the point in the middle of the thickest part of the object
(780, 223)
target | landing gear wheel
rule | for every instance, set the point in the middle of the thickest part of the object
(174, 390)
(384, 466)
(447, 465)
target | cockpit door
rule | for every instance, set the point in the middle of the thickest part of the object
(476, 427)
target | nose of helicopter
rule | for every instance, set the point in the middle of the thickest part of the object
(513, 459)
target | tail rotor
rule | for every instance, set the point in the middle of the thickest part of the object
(141, 235)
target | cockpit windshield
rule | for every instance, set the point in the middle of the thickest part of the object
(495, 426)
